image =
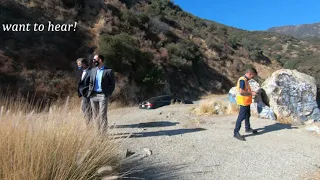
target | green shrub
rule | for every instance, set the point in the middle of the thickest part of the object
(123, 56)
(290, 64)
(185, 49)
(184, 55)
(256, 54)
(233, 41)
(131, 19)
(120, 51)
(212, 27)
(157, 26)
(149, 76)
(159, 7)
(222, 32)
(290, 46)
(213, 44)
(129, 16)
(277, 47)
(247, 44)
(277, 57)
(170, 22)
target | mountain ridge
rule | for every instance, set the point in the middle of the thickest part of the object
(299, 31)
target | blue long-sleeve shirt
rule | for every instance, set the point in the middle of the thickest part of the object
(97, 83)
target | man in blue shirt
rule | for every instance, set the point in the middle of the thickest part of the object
(101, 86)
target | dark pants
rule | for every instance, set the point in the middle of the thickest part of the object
(99, 105)
(86, 109)
(244, 114)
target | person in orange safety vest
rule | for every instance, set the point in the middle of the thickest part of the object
(244, 100)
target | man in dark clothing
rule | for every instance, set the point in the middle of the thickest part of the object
(83, 88)
(101, 87)
(244, 99)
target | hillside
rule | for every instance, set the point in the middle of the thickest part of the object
(299, 31)
(154, 46)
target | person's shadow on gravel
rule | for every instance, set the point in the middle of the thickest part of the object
(173, 132)
(148, 124)
(271, 128)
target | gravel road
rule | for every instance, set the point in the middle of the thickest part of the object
(185, 146)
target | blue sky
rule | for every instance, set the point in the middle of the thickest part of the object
(254, 14)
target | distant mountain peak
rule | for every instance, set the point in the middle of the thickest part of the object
(299, 31)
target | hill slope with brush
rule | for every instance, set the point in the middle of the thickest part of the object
(154, 46)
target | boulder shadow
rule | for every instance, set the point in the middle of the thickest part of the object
(271, 128)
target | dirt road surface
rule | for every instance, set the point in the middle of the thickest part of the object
(186, 146)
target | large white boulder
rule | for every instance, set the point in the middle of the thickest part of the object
(258, 106)
(292, 95)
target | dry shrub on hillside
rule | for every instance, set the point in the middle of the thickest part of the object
(51, 145)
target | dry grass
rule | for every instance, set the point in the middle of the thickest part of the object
(210, 107)
(233, 108)
(51, 145)
(285, 120)
(97, 29)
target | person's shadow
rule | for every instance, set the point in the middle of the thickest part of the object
(271, 128)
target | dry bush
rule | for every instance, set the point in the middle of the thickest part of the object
(98, 27)
(51, 145)
(233, 108)
(211, 107)
(206, 107)
(287, 120)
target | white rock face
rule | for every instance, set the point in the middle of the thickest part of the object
(258, 106)
(292, 95)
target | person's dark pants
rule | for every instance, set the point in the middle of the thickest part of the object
(244, 114)
(86, 109)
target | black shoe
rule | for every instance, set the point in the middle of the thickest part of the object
(239, 137)
(251, 131)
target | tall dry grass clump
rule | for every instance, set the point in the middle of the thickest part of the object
(211, 107)
(51, 145)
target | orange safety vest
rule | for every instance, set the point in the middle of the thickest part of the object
(243, 100)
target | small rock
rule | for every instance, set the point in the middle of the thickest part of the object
(105, 169)
(129, 153)
(147, 152)
(160, 113)
(314, 128)
(309, 122)
(170, 114)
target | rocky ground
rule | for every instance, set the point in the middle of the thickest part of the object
(172, 143)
